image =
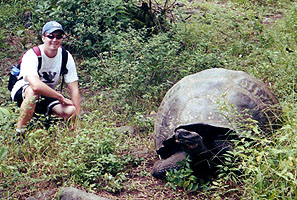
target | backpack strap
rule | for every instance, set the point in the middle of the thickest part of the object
(63, 67)
(38, 54)
(64, 70)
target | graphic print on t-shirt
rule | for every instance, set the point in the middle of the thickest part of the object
(49, 76)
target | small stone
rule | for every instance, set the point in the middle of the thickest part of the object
(71, 193)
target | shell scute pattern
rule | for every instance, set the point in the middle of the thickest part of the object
(196, 99)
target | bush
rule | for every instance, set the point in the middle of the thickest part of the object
(93, 158)
(136, 67)
(11, 15)
(86, 22)
(183, 177)
(95, 163)
(265, 165)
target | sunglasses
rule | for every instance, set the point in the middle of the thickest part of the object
(51, 36)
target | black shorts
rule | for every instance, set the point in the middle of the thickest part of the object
(44, 104)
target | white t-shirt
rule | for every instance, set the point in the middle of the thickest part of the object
(49, 72)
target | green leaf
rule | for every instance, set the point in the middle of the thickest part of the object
(3, 152)
(4, 112)
(195, 187)
(20, 32)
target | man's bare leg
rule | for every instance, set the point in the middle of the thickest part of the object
(27, 108)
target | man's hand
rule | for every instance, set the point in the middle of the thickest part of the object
(65, 101)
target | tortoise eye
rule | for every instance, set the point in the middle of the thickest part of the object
(185, 133)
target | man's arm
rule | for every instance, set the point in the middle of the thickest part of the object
(75, 95)
(41, 88)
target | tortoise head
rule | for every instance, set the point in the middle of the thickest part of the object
(190, 142)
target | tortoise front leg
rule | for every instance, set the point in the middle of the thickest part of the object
(162, 166)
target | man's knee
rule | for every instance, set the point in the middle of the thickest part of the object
(30, 99)
(69, 111)
(29, 93)
(64, 111)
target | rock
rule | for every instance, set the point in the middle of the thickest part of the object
(129, 130)
(44, 195)
(71, 193)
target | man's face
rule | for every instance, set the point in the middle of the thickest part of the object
(52, 41)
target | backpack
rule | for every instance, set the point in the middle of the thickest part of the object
(16, 69)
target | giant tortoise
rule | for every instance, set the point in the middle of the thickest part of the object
(198, 113)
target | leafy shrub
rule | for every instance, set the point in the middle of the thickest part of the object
(11, 15)
(97, 157)
(265, 165)
(3, 43)
(135, 67)
(94, 159)
(87, 21)
(274, 59)
(262, 165)
(183, 177)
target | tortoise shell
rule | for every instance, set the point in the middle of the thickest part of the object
(198, 100)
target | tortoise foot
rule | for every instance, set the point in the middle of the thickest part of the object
(162, 166)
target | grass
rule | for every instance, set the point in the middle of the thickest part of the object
(258, 37)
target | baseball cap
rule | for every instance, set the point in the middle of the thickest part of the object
(52, 26)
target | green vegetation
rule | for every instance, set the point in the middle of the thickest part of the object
(127, 60)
